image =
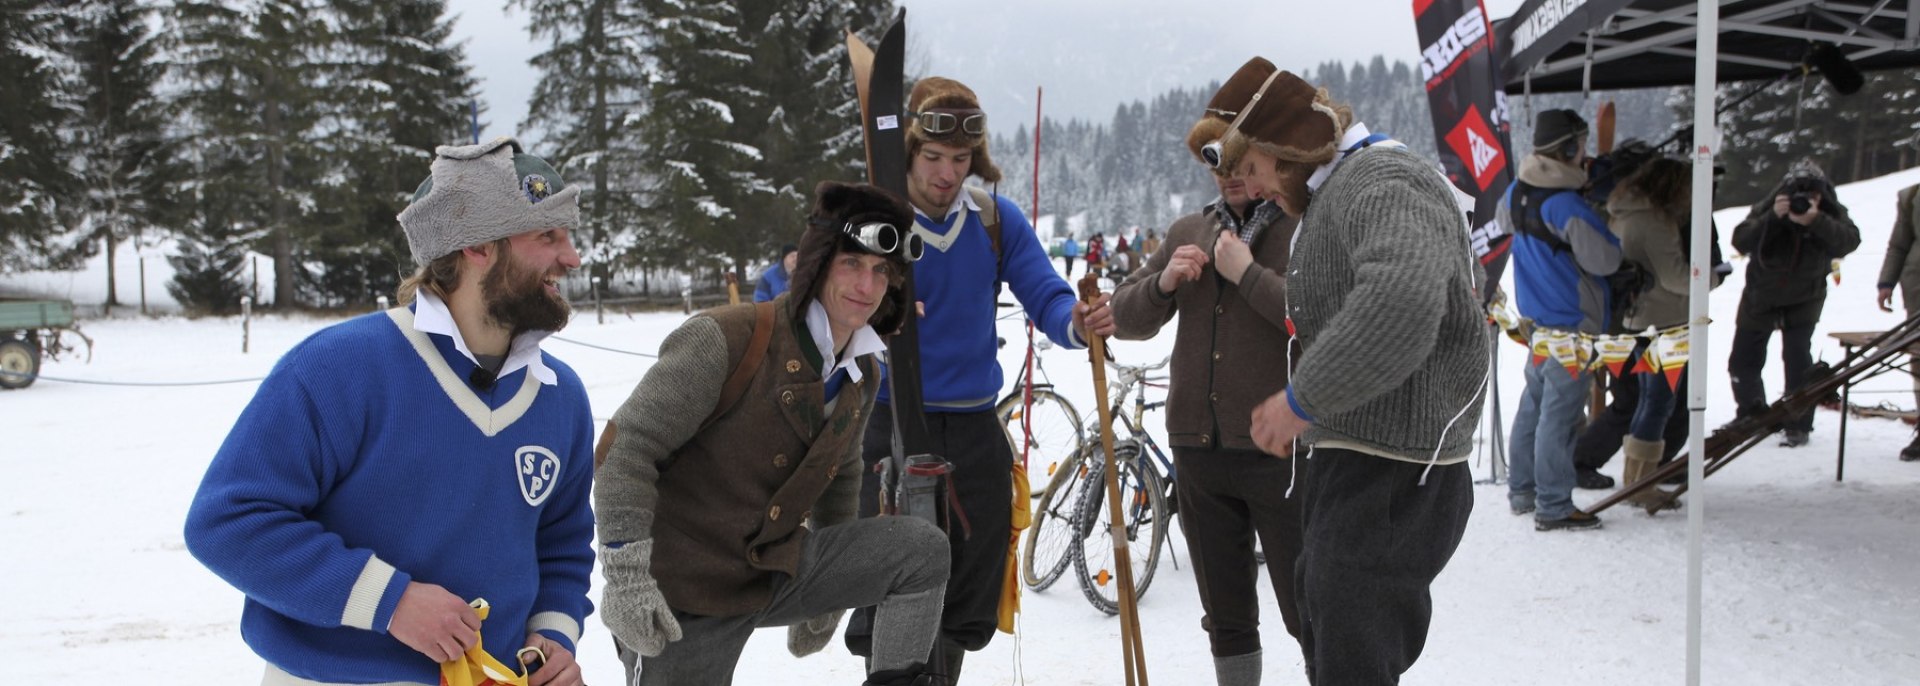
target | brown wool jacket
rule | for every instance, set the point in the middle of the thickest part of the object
(1230, 350)
(725, 504)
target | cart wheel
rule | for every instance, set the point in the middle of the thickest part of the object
(19, 363)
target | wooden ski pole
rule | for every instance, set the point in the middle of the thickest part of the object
(1132, 652)
(733, 289)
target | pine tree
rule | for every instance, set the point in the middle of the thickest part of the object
(32, 153)
(125, 161)
(254, 86)
(592, 85)
(408, 90)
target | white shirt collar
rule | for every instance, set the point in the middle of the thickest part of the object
(863, 342)
(432, 316)
(964, 199)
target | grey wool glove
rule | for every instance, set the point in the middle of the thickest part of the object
(811, 635)
(632, 606)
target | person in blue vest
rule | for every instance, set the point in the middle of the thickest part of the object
(398, 466)
(957, 280)
(1562, 255)
(774, 280)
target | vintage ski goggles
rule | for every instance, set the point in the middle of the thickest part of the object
(881, 238)
(1212, 153)
(943, 121)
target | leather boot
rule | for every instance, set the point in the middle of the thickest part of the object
(1643, 458)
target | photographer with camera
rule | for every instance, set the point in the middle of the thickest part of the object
(1791, 241)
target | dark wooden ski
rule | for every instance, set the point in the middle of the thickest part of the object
(878, 80)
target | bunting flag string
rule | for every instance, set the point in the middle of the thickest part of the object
(1666, 353)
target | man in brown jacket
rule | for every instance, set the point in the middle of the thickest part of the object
(721, 515)
(1223, 270)
(1902, 268)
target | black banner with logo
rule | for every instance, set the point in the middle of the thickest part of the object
(1462, 77)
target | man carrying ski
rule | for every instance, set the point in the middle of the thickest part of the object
(974, 242)
(727, 497)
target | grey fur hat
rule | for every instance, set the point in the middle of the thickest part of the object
(477, 194)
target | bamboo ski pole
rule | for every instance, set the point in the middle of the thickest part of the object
(1132, 652)
(733, 289)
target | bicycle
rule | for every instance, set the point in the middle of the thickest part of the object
(1151, 503)
(1043, 425)
(1071, 508)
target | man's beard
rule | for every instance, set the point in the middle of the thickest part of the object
(517, 298)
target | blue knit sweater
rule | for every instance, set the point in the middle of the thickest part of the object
(365, 461)
(959, 362)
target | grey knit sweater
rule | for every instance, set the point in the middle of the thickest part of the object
(1383, 295)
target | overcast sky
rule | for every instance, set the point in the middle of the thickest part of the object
(1089, 55)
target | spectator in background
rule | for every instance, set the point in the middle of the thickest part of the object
(1900, 269)
(1562, 254)
(1068, 253)
(1096, 254)
(1650, 209)
(1792, 237)
(774, 280)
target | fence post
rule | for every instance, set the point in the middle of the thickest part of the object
(246, 322)
(598, 310)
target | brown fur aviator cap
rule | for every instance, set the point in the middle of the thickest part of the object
(1290, 119)
(835, 205)
(938, 92)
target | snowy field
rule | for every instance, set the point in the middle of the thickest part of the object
(1807, 581)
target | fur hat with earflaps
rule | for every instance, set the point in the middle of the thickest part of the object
(937, 94)
(1225, 105)
(1277, 113)
(477, 194)
(836, 206)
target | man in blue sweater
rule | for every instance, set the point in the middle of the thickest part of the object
(1562, 254)
(396, 467)
(957, 280)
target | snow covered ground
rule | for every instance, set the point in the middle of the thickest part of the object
(1808, 581)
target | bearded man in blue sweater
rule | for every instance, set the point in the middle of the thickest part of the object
(396, 467)
(957, 281)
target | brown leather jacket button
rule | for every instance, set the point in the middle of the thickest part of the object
(793, 366)
(786, 397)
(780, 460)
(774, 513)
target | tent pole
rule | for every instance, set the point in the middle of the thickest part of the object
(1706, 140)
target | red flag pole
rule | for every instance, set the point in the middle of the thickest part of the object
(1026, 401)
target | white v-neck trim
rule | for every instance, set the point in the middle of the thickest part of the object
(489, 421)
(956, 220)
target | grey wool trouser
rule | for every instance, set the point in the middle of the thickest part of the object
(897, 563)
(1375, 540)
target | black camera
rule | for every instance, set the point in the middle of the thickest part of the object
(1800, 202)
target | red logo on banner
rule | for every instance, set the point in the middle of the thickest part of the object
(1477, 147)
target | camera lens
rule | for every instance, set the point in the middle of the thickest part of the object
(1799, 202)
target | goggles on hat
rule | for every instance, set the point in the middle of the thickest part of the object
(881, 238)
(941, 122)
(1211, 153)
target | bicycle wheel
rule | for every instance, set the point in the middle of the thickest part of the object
(1145, 527)
(1052, 535)
(1051, 435)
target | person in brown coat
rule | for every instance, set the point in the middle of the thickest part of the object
(1223, 271)
(717, 520)
(1902, 268)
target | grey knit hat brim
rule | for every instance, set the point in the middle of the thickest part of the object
(478, 194)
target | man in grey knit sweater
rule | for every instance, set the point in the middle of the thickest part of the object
(721, 513)
(1382, 296)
